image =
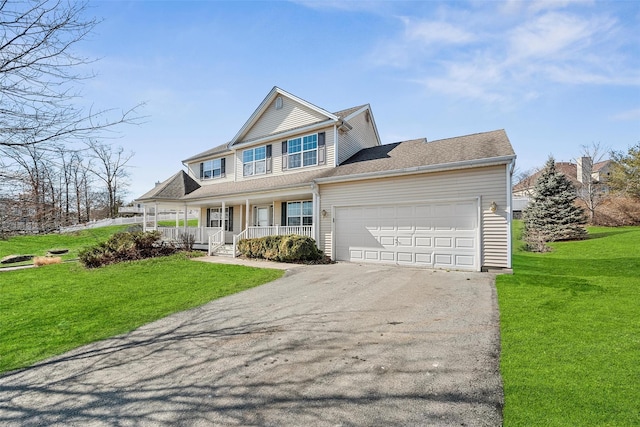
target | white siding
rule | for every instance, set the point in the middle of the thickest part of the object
(276, 147)
(194, 171)
(291, 115)
(362, 135)
(488, 183)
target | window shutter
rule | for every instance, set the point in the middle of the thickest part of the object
(283, 214)
(284, 155)
(322, 158)
(222, 167)
(208, 217)
(230, 221)
(201, 170)
(269, 162)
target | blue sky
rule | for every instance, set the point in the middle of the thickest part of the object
(556, 75)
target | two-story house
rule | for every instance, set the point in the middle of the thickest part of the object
(297, 168)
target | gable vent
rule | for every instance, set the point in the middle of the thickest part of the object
(279, 103)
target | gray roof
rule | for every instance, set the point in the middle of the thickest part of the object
(389, 157)
(419, 152)
(223, 148)
(173, 188)
(344, 113)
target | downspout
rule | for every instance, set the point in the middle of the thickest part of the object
(335, 145)
(510, 168)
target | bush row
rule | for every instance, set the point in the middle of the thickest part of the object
(126, 247)
(289, 248)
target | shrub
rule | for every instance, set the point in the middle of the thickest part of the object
(126, 247)
(46, 260)
(288, 248)
(187, 240)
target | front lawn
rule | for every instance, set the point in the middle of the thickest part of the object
(48, 310)
(38, 245)
(570, 327)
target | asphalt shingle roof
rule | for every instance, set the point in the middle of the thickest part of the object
(173, 188)
(389, 157)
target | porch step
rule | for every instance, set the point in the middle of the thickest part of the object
(226, 250)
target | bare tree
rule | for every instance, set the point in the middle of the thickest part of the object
(111, 169)
(38, 75)
(591, 191)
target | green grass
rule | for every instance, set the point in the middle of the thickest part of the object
(38, 245)
(570, 328)
(172, 223)
(48, 310)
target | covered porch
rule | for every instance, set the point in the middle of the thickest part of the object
(220, 223)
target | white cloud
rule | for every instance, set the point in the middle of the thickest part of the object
(629, 115)
(435, 32)
(485, 55)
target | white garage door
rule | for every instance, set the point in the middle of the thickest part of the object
(436, 234)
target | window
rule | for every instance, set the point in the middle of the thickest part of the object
(303, 151)
(254, 161)
(212, 169)
(214, 218)
(300, 213)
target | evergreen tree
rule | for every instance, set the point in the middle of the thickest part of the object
(552, 213)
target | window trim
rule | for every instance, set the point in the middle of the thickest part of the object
(266, 161)
(302, 151)
(301, 216)
(227, 223)
(221, 168)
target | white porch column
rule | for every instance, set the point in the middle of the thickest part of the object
(224, 206)
(177, 218)
(315, 229)
(246, 225)
(144, 217)
(186, 217)
(155, 216)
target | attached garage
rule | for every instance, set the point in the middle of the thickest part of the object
(436, 234)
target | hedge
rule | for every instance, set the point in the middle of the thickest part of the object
(126, 247)
(289, 248)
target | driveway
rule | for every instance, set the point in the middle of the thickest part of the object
(334, 345)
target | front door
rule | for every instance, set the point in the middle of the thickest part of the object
(263, 217)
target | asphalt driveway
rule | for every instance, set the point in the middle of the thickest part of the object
(335, 345)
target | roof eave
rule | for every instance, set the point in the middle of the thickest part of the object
(265, 103)
(441, 167)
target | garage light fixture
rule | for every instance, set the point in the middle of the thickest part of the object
(493, 207)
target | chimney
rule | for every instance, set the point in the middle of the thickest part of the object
(584, 168)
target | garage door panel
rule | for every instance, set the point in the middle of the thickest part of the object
(442, 234)
(443, 242)
(405, 257)
(404, 241)
(424, 242)
(464, 242)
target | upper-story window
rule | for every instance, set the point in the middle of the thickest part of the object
(303, 151)
(256, 161)
(212, 169)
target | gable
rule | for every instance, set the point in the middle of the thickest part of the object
(291, 115)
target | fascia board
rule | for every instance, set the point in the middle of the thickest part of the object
(265, 103)
(373, 121)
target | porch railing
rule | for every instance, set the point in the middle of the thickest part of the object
(275, 230)
(216, 240)
(200, 234)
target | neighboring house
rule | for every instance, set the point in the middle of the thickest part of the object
(578, 173)
(297, 168)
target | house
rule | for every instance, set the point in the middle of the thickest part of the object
(296, 168)
(589, 179)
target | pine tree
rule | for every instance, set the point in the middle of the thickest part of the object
(552, 213)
